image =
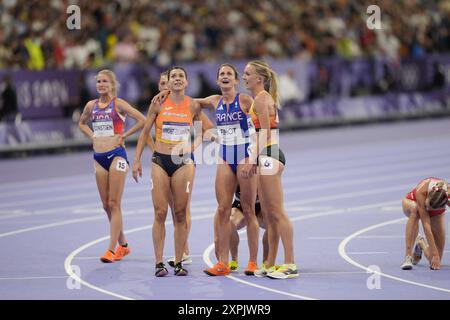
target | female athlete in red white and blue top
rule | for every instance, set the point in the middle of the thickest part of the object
(426, 202)
(107, 115)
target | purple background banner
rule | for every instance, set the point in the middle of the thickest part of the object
(328, 91)
(44, 94)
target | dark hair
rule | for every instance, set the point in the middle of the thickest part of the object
(175, 68)
(236, 73)
(438, 196)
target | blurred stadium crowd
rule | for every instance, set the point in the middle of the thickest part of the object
(34, 36)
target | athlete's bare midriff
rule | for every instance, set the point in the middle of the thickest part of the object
(168, 148)
(105, 144)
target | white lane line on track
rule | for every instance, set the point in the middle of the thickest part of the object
(209, 249)
(331, 273)
(125, 213)
(344, 255)
(70, 272)
(360, 237)
(392, 208)
(138, 257)
(289, 190)
(208, 261)
(82, 185)
(73, 254)
(368, 252)
(328, 175)
(34, 278)
(88, 176)
(300, 202)
(38, 182)
(97, 205)
(97, 217)
(49, 225)
(62, 223)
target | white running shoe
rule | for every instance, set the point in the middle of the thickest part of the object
(417, 253)
(407, 264)
(186, 260)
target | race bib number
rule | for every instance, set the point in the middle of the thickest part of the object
(266, 162)
(103, 128)
(231, 134)
(121, 165)
(176, 132)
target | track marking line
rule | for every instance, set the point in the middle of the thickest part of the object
(344, 255)
(369, 252)
(34, 278)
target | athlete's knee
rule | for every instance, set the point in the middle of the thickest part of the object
(113, 204)
(179, 216)
(160, 215)
(248, 209)
(414, 215)
(273, 217)
(223, 212)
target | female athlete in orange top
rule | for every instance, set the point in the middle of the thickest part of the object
(234, 128)
(206, 125)
(261, 80)
(173, 165)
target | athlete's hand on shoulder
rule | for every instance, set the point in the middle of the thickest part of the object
(160, 97)
(137, 170)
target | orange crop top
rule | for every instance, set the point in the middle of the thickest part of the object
(174, 122)
(273, 124)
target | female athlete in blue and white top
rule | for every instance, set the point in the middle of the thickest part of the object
(235, 134)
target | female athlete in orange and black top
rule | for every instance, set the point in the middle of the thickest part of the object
(173, 166)
(261, 80)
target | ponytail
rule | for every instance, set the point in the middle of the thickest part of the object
(270, 79)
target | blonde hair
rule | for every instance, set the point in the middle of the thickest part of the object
(112, 77)
(270, 79)
(438, 196)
